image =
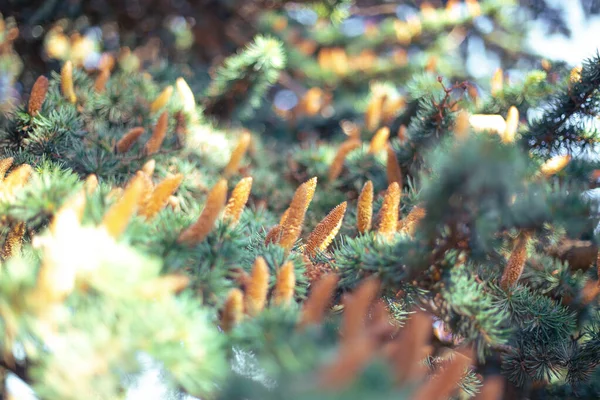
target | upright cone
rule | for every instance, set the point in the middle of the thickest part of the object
(215, 202)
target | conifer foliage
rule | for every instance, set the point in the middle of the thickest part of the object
(309, 214)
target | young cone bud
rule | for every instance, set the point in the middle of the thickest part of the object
(125, 143)
(512, 123)
(489, 123)
(38, 95)
(497, 82)
(14, 239)
(16, 179)
(493, 388)
(160, 131)
(237, 154)
(406, 351)
(174, 203)
(75, 204)
(516, 262)
(117, 217)
(187, 98)
(274, 235)
(598, 266)
(325, 230)
(312, 102)
(411, 221)
(284, 216)
(310, 186)
(147, 188)
(284, 287)
(338, 162)
(5, 164)
(56, 279)
(237, 201)
(473, 7)
(554, 165)
(347, 365)
(388, 215)
(379, 140)
(101, 80)
(402, 133)
(394, 173)
(290, 231)
(575, 76)
(373, 113)
(215, 201)
(318, 300)
(589, 292)
(162, 99)
(364, 212)
(445, 382)
(461, 126)
(356, 309)
(114, 193)
(256, 292)
(163, 286)
(91, 183)
(148, 167)
(160, 195)
(66, 82)
(233, 310)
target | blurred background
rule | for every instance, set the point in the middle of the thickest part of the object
(205, 31)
